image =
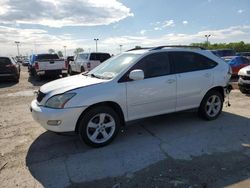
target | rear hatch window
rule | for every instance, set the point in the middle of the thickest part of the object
(99, 57)
(3, 63)
(47, 57)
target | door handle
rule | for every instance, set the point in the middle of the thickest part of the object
(170, 81)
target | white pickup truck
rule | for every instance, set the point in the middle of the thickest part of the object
(87, 61)
(48, 64)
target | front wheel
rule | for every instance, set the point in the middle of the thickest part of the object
(211, 105)
(99, 126)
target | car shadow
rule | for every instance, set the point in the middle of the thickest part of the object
(35, 81)
(7, 83)
(61, 160)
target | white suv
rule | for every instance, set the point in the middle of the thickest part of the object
(133, 85)
(86, 62)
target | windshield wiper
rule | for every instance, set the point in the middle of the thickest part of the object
(99, 76)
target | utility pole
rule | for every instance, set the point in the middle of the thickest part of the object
(120, 48)
(207, 37)
(17, 45)
(96, 40)
(65, 51)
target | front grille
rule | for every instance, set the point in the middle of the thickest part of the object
(245, 77)
(40, 96)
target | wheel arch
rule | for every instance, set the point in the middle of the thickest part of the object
(220, 89)
(116, 107)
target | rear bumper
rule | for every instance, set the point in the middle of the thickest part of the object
(52, 72)
(8, 75)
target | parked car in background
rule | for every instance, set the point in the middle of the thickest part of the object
(224, 52)
(86, 62)
(9, 68)
(25, 61)
(47, 64)
(236, 63)
(68, 59)
(133, 85)
(244, 80)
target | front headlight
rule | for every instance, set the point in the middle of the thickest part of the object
(58, 101)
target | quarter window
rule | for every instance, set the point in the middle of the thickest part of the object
(189, 61)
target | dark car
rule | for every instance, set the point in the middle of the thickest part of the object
(9, 69)
(224, 52)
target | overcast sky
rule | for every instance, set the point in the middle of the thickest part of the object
(43, 24)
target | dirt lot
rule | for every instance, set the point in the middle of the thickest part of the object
(176, 150)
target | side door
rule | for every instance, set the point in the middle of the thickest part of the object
(156, 93)
(194, 78)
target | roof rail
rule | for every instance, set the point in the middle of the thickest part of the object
(177, 46)
(143, 48)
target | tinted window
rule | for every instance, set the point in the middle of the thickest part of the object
(99, 57)
(47, 56)
(188, 61)
(4, 61)
(245, 61)
(154, 65)
(104, 57)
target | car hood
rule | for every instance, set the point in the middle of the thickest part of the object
(69, 83)
(244, 71)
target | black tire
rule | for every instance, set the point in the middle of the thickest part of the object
(64, 75)
(16, 78)
(82, 69)
(205, 107)
(84, 131)
(70, 72)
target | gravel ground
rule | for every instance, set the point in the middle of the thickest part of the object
(176, 150)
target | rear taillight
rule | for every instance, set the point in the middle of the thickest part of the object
(10, 66)
(88, 65)
(36, 65)
(66, 64)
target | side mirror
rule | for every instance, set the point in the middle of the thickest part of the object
(136, 74)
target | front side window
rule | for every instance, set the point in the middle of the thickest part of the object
(154, 65)
(189, 61)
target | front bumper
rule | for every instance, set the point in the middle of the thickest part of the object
(244, 84)
(68, 117)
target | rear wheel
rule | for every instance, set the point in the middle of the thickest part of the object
(64, 75)
(82, 69)
(70, 71)
(99, 126)
(211, 105)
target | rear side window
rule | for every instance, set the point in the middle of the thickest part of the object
(4, 61)
(154, 65)
(189, 61)
(47, 57)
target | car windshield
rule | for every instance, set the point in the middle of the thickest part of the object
(113, 66)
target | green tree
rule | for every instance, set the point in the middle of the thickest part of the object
(78, 50)
(60, 54)
(237, 46)
(51, 51)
